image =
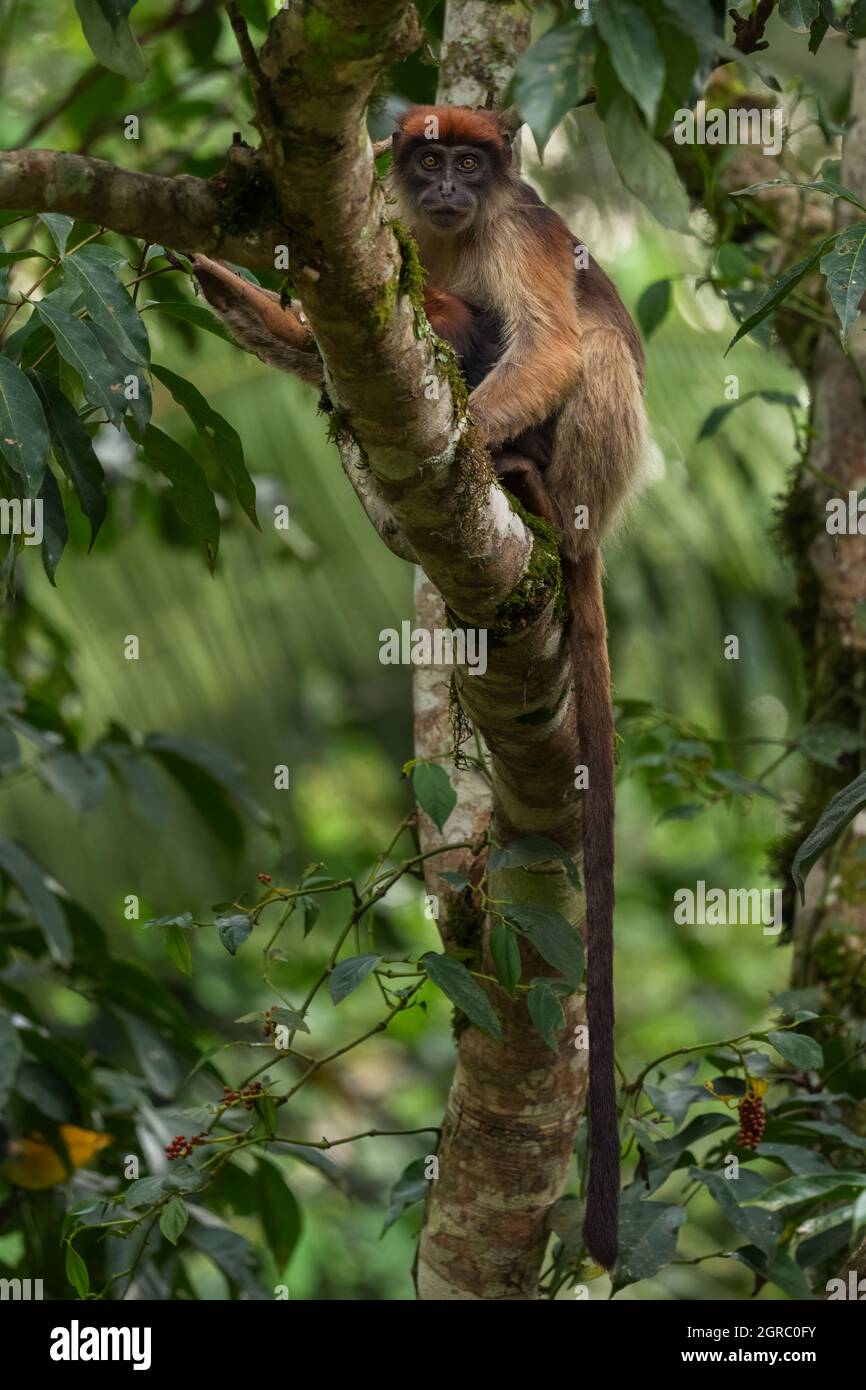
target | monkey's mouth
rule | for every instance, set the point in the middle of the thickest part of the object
(449, 218)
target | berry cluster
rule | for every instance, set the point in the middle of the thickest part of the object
(265, 878)
(247, 1095)
(181, 1147)
(753, 1122)
(269, 1021)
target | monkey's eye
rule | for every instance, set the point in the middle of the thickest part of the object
(429, 161)
(469, 162)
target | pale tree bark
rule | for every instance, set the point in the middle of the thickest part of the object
(431, 493)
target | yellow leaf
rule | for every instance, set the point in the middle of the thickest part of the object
(35, 1165)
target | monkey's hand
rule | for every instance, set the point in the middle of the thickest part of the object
(507, 402)
(489, 426)
(279, 336)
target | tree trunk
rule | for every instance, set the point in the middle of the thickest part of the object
(514, 1105)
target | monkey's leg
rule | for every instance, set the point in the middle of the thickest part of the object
(524, 479)
(600, 446)
(259, 322)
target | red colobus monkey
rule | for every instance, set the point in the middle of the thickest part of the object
(555, 367)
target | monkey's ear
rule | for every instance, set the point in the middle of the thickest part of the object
(398, 144)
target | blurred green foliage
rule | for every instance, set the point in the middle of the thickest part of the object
(274, 660)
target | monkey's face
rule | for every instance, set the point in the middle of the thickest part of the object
(447, 183)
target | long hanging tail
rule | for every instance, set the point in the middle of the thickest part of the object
(595, 733)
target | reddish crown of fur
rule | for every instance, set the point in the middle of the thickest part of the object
(458, 125)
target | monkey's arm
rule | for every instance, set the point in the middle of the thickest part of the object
(258, 321)
(541, 361)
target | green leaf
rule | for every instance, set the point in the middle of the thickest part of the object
(546, 1013)
(279, 1211)
(553, 937)
(634, 52)
(682, 60)
(211, 781)
(233, 1254)
(109, 302)
(76, 1272)
(222, 439)
(311, 910)
(837, 814)
(349, 974)
(653, 306)
(565, 1219)
(798, 1049)
(534, 849)
(779, 289)
(720, 413)
(140, 407)
(178, 948)
(410, 1187)
(28, 878)
(23, 431)
(74, 451)
(59, 225)
(647, 1238)
(13, 257)
(759, 1226)
(78, 345)
(782, 1272)
(106, 28)
(799, 1160)
(827, 743)
(729, 1086)
(812, 1187)
(190, 491)
(645, 167)
(739, 785)
(828, 186)
(675, 1100)
(845, 269)
(799, 15)
(155, 1058)
(195, 314)
(79, 778)
(234, 929)
(173, 1220)
(553, 76)
(55, 531)
(433, 792)
(506, 957)
(685, 810)
(455, 981)
(818, 33)
(177, 919)
(10, 1055)
(457, 881)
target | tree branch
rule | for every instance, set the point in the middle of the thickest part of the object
(184, 212)
(749, 29)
